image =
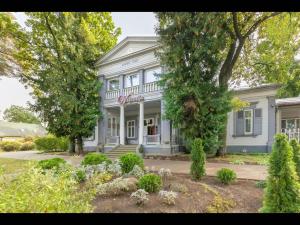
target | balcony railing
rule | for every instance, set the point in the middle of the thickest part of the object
(112, 94)
(153, 86)
(115, 140)
(131, 90)
(292, 133)
(152, 139)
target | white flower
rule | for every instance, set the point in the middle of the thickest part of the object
(136, 171)
(140, 196)
(168, 197)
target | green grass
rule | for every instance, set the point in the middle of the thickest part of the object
(14, 165)
(261, 159)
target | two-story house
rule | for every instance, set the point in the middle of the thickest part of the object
(132, 105)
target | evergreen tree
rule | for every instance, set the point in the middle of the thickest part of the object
(198, 159)
(282, 191)
(296, 155)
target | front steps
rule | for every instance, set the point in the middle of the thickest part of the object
(121, 150)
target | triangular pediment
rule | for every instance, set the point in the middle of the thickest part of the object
(129, 45)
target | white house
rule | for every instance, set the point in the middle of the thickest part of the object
(132, 104)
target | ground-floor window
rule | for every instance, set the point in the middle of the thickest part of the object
(130, 128)
(248, 115)
(293, 123)
(150, 128)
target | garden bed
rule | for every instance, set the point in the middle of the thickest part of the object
(240, 197)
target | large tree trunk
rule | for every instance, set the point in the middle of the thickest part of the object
(71, 145)
(79, 145)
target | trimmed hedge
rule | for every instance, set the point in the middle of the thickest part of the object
(10, 146)
(129, 160)
(94, 158)
(54, 163)
(29, 145)
(52, 143)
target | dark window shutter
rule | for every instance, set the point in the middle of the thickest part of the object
(257, 123)
(239, 123)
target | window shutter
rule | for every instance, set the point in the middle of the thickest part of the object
(257, 123)
(239, 123)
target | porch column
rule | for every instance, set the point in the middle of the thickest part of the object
(141, 123)
(165, 127)
(278, 121)
(122, 125)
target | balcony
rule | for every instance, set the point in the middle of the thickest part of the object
(148, 87)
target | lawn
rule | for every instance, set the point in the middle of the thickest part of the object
(260, 159)
(13, 165)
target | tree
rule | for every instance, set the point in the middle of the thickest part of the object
(58, 61)
(198, 159)
(19, 114)
(237, 35)
(9, 28)
(282, 191)
(296, 155)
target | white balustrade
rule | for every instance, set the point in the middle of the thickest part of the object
(131, 90)
(112, 94)
(153, 86)
(292, 133)
(152, 139)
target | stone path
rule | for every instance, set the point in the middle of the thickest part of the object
(253, 172)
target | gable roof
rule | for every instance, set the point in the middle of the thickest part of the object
(141, 42)
(9, 129)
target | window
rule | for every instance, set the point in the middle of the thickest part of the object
(113, 84)
(152, 75)
(131, 80)
(113, 126)
(290, 123)
(248, 115)
(130, 129)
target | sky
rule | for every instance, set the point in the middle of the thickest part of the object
(12, 92)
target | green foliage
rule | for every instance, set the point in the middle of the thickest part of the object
(94, 158)
(282, 191)
(51, 143)
(198, 159)
(63, 76)
(29, 145)
(36, 191)
(129, 160)
(150, 182)
(10, 146)
(191, 75)
(19, 114)
(296, 155)
(261, 184)
(80, 175)
(226, 176)
(237, 103)
(53, 163)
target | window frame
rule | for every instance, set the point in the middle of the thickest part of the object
(286, 119)
(251, 121)
(131, 80)
(132, 127)
(108, 84)
(151, 70)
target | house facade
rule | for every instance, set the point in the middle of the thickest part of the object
(133, 108)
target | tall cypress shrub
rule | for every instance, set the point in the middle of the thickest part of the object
(296, 155)
(282, 191)
(198, 159)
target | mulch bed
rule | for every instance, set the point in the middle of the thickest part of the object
(247, 198)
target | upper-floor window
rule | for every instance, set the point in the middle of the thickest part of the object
(152, 75)
(131, 80)
(113, 84)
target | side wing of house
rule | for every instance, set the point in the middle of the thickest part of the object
(252, 128)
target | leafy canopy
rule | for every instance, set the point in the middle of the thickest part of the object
(19, 114)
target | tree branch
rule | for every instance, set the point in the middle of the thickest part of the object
(235, 26)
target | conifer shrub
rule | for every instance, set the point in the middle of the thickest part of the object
(296, 155)
(150, 182)
(129, 160)
(198, 159)
(94, 158)
(226, 176)
(282, 191)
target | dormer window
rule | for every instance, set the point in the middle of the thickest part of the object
(113, 84)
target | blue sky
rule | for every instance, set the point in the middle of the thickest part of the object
(12, 92)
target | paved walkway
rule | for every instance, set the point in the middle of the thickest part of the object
(254, 172)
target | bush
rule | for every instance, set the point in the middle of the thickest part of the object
(178, 187)
(29, 138)
(150, 182)
(35, 191)
(80, 175)
(282, 191)
(137, 171)
(51, 143)
(117, 186)
(27, 146)
(198, 159)
(94, 158)
(10, 146)
(226, 175)
(48, 164)
(140, 196)
(261, 184)
(129, 160)
(296, 155)
(168, 197)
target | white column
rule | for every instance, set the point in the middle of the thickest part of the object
(141, 123)
(122, 125)
(278, 121)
